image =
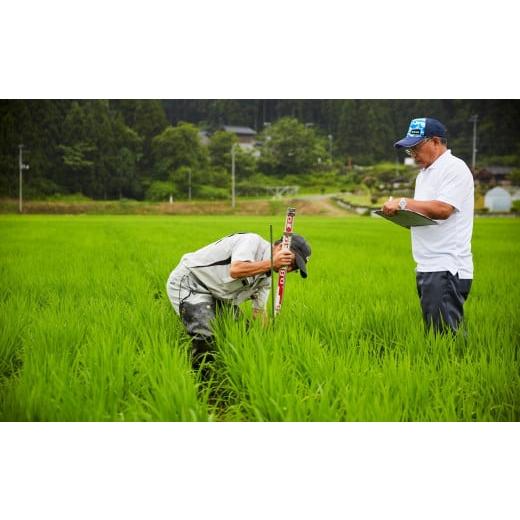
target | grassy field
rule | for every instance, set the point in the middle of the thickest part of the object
(87, 332)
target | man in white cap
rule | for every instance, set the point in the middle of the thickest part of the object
(444, 191)
(224, 274)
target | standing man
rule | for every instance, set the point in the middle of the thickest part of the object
(226, 273)
(444, 192)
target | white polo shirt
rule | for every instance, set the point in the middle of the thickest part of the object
(447, 246)
(210, 265)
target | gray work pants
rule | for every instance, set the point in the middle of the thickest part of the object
(191, 301)
(197, 308)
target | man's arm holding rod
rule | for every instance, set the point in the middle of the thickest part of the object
(281, 258)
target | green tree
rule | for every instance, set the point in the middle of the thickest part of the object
(37, 125)
(220, 155)
(102, 135)
(245, 163)
(514, 177)
(78, 151)
(88, 129)
(178, 146)
(364, 131)
(220, 149)
(99, 151)
(289, 147)
(150, 119)
(186, 178)
(104, 148)
(11, 114)
(218, 178)
(124, 181)
(160, 191)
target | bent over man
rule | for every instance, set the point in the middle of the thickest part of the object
(443, 191)
(226, 273)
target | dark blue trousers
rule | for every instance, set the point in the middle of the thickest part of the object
(442, 298)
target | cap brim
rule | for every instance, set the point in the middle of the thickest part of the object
(408, 142)
(302, 266)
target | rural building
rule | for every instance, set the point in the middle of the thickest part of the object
(498, 199)
(246, 136)
(493, 175)
(204, 137)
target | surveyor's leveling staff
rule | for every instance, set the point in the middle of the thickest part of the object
(286, 244)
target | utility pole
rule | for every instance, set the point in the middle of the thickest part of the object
(330, 146)
(21, 166)
(189, 184)
(233, 149)
(473, 119)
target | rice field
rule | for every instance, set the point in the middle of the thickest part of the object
(87, 332)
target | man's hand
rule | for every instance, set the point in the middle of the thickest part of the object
(283, 258)
(390, 207)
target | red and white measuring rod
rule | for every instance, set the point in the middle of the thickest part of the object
(286, 244)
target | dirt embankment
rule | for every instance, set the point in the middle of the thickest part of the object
(304, 206)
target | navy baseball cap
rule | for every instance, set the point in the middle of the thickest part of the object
(419, 130)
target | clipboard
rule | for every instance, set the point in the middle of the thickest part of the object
(408, 218)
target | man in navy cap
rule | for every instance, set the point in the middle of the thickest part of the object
(444, 192)
(225, 274)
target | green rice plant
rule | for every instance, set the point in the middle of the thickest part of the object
(87, 332)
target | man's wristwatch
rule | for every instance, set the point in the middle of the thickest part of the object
(402, 203)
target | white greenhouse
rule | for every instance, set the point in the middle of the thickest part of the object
(498, 199)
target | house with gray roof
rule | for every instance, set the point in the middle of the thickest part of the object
(246, 136)
(493, 175)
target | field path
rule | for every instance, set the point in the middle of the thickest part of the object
(319, 205)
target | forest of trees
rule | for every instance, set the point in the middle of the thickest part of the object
(108, 149)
